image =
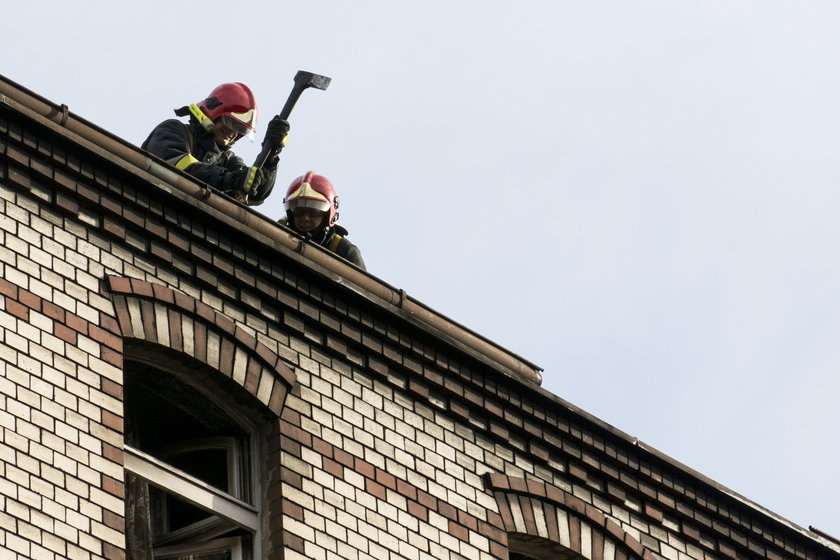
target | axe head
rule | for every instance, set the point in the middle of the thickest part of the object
(308, 79)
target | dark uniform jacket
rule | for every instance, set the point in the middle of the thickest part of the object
(192, 148)
(336, 241)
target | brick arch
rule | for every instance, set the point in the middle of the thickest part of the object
(158, 315)
(539, 515)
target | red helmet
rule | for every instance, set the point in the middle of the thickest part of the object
(312, 191)
(235, 105)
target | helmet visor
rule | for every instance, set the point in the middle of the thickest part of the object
(237, 126)
(320, 205)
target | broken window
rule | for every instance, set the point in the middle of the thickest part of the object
(190, 461)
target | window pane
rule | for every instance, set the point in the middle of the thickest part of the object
(220, 549)
(173, 422)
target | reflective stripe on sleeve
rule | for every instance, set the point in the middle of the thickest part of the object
(249, 182)
(186, 161)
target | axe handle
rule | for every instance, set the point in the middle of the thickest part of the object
(267, 152)
(294, 95)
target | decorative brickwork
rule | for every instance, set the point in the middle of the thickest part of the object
(159, 315)
(529, 509)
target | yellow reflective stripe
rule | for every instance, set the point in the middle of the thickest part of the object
(205, 121)
(335, 242)
(186, 161)
(249, 182)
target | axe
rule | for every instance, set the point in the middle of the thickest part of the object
(303, 80)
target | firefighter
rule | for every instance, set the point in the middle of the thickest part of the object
(312, 210)
(202, 147)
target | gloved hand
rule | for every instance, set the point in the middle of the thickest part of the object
(244, 180)
(276, 133)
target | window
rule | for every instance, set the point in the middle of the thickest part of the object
(530, 547)
(191, 461)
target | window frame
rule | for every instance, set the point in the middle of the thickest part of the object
(231, 509)
(177, 482)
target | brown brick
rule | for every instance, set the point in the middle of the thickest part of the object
(536, 488)
(406, 489)
(527, 509)
(64, 201)
(468, 521)
(499, 430)
(574, 532)
(112, 520)
(112, 453)
(458, 531)
(112, 421)
(290, 446)
(112, 357)
(419, 388)
(577, 471)
(111, 552)
(633, 544)
(727, 550)
(253, 373)
(30, 300)
(371, 343)
(309, 310)
(597, 545)
(294, 542)
(293, 479)
(67, 335)
(499, 550)
(113, 486)
(576, 504)
(278, 397)
(596, 516)
(448, 511)
(386, 479)
(654, 512)
(111, 388)
(293, 510)
(351, 332)
(538, 451)
(427, 500)
(344, 458)
(418, 511)
(53, 311)
(333, 468)
(374, 489)
(226, 356)
(104, 337)
(323, 448)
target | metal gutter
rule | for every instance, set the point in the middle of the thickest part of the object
(166, 177)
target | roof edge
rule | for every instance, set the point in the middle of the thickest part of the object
(134, 159)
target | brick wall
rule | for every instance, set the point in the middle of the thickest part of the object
(393, 442)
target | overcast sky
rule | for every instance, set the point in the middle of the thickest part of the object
(641, 197)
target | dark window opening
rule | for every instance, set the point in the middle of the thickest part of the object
(189, 486)
(531, 547)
